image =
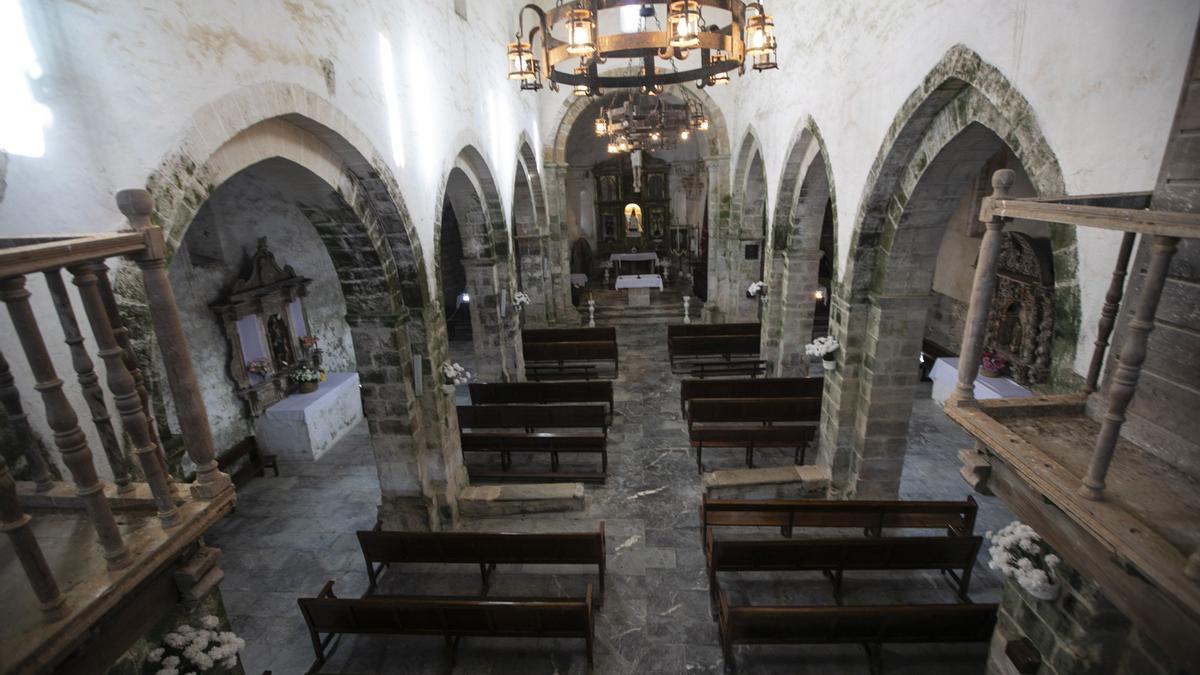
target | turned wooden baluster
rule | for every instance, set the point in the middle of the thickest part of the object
(89, 382)
(122, 334)
(120, 383)
(1133, 353)
(981, 293)
(68, 437)
(189, 404)
(1108, 315)
(15, 524)
(11, 399)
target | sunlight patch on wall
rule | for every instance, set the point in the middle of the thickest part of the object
(23, 120)
(392, 101)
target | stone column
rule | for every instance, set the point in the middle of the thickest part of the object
(11, 399)
(62, 420)
(535, 278)
(15, 524)
(485, 318)
(177, 361)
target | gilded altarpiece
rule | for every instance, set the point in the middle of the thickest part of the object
(1021, 323)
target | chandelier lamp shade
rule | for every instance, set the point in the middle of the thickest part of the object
(701, 41)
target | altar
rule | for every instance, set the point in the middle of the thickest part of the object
(945, 376)
(617, 258)
(638, 287)
(308, 425)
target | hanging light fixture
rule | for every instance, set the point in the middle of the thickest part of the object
(760, 39)
(684, 135)
(612, 148)
(600, 126)
(683, 24)
(581, 32)
(747, 39)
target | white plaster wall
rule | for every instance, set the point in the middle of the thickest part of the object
(1103, 78)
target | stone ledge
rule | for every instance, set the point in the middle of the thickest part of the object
(767, 483)
(482, 501)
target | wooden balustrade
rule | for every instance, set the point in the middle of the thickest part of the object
(89, 382)
(19, 422)
(1108, 315)
(15, 524)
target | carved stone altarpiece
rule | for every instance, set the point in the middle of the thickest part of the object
(1021, 320)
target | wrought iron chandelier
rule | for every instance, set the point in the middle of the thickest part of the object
(749, 35)
(644, 123)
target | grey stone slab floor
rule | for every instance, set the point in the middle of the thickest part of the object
(291, 534)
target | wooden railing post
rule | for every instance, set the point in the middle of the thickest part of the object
(164, 314)
(120, 383)
(1133, 353)
(11, 399)
(122, 334)
(975, 330)
(89, 382)
(15, 524)
(62, 419)
(1108, 315)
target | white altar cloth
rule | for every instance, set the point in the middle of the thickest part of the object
(945, 376)
(640, 281)
(308, 425)
(633, 257)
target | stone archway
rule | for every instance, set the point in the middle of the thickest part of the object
(963, 112)
(379, 261)
(744, 249)
(474, 200)
(806, 195)
(716, 157)
(533, 244)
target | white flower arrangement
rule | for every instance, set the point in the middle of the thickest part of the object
(306, 374)
(822, 347)
(520, 299)
(197, 649)
(454, 375)
(756, 289)
(1019, 553)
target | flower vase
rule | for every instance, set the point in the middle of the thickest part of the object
(448, 388)
(830, 364)
(308, 387)
(988, 373)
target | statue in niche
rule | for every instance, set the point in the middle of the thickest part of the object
(633, 220)
(281, 344)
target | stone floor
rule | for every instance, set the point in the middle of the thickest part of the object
(291, 534)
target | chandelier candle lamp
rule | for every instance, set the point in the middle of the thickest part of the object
(726, 33)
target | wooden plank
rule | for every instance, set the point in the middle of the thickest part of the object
(21, 260)
(1167, 223)
(1122, 535)
(1060, 404)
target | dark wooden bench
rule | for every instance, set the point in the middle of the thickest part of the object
(508, 393)
(752, 423)
(872, 517)
(771, 387)
(724, 347)
(597, 334)
(543, 372)
(382, 548)
(452, 618)
(751, 369)
(709, 329)
(248, 447)
(560, 357)
(868, 625)
(533, 417)
(836, 556)
(506, 443)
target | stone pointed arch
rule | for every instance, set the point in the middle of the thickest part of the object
(806, 195)
(962, 112)
(378, 256)
(748, 229)
(538, 254)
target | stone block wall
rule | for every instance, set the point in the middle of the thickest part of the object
(1078, 633)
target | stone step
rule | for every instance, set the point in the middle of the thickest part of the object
(482, 501)
(767, 483)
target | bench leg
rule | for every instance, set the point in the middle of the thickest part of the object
(874, 657)
(485, 572)
(554, 461)
(700, 459)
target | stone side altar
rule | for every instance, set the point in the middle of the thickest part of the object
(945, 374)
(308, 425)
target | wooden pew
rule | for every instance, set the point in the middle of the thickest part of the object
(383, 548)
(752, 423)
(752, 368)
(452, 618)
(567, 356)
(509, 393)
(506, 443)
(957, 518)
(868, 625)
(533, 417)
(709, 329)
(771, 387)
(723, 346)
(597, 334)
(836, 556)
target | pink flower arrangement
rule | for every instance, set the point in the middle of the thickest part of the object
(993, 363)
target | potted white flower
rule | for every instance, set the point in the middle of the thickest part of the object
(454, 375)
(520, 299)
(307, 378)
(1020, 554)
(825, 348)
(191, 649)
(757, 289)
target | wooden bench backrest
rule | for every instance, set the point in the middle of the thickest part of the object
(569, 351)
(409, 615)
(787, 436)
(708, 329)
(958, 517)
(737, 410)
(582, 548)
(770, 387)
(504, 393)
(532, 416)
(857, 624)
(501, 441)
(599, 334)
(874, 553)
(709, 345)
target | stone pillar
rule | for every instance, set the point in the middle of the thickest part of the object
(797, 275)
(535, 279)
(840, 398)
(484, 285)
(558, 248)
(721, 239)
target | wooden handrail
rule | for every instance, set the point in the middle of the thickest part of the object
(20, 260)
(1143, 221)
